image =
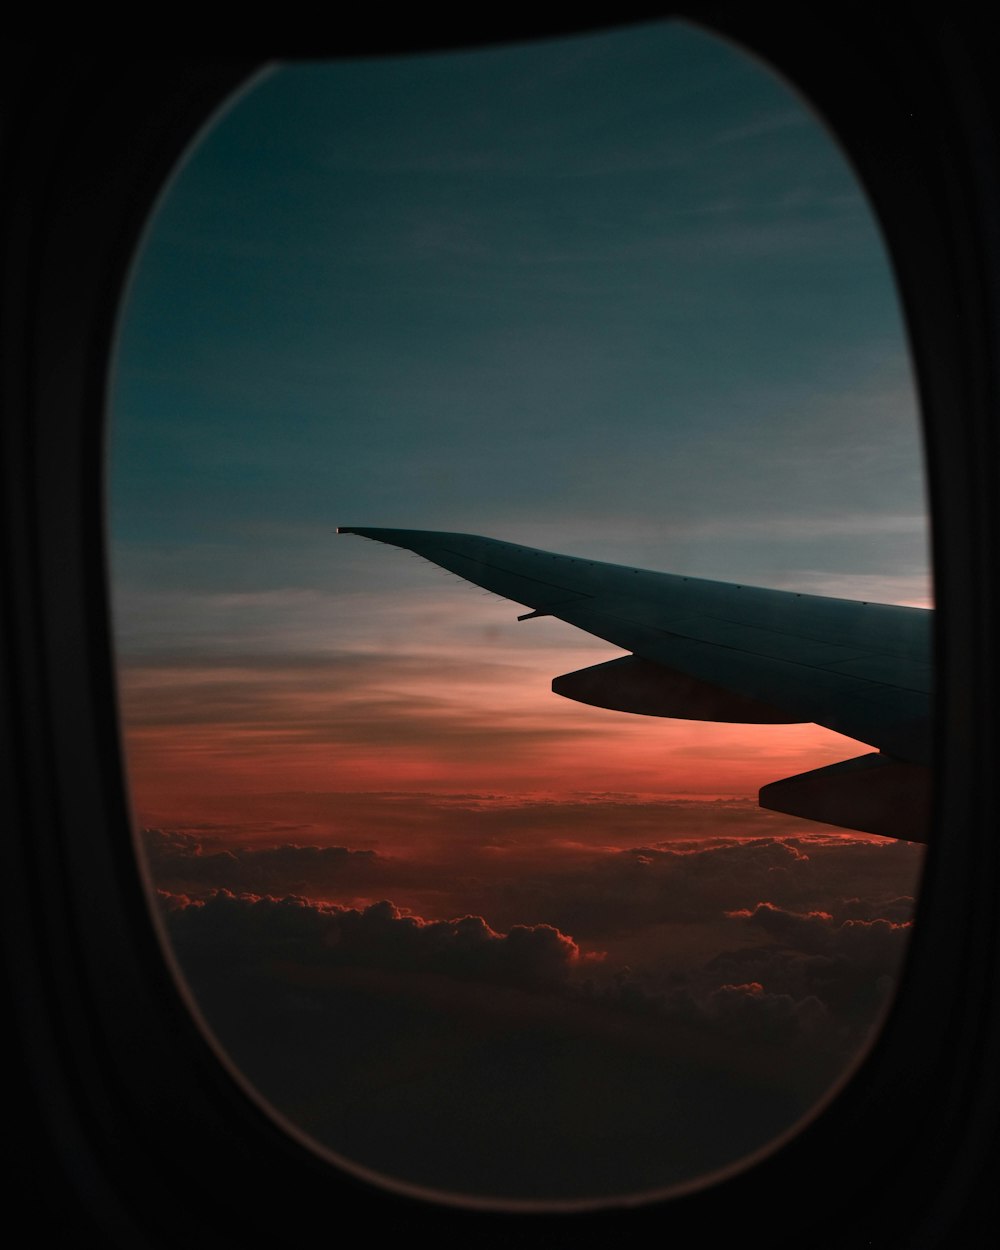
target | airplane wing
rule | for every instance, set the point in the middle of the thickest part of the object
(704, 650)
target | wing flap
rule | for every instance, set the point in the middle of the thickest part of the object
(632, 684)
(871, 792)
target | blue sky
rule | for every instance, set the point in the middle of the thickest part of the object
(618, 286)
(617, 295)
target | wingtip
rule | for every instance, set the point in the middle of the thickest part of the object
(380, 533)
(408, 540)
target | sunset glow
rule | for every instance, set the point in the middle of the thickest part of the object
(481, 738)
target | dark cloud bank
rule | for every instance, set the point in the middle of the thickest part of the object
(650, 1015)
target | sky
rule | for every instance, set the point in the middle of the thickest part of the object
(618, 296)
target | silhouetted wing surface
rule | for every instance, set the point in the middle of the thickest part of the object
(707, 650)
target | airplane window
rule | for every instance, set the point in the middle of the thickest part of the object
(616, 297)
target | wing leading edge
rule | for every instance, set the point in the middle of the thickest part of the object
(704, 650)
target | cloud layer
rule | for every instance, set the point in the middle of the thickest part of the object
(642, 1018)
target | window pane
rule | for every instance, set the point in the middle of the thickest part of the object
(617, 296)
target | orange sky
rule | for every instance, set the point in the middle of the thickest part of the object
(206, 742)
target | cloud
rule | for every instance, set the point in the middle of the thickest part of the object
(492, 1057)
(247, 927)
(181, 863)
(804, 931)
(752, 1012)
(451, 1055)
(654, 904)
(428, 823)
(628, 891)
(663, 932)
(848, 965)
